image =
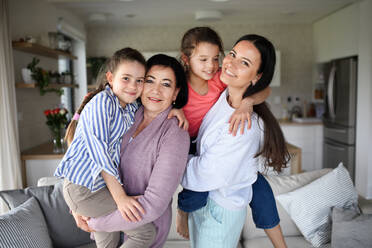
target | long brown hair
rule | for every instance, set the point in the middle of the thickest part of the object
(274, 149)
(125, 54)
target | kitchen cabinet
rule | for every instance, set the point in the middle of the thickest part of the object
(39, 162)
(308, 137)
(336, 36)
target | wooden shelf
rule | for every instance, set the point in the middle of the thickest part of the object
(51, 86)
(41, 50)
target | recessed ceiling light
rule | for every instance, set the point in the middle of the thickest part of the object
(208, 15)
(97, 17)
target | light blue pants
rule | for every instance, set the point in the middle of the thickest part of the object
(215, 226)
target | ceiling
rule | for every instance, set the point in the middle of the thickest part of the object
(171, 12)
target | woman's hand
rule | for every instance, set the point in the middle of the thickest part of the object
(130, 208)
(242, 114)
(182, 121)
(81, 222)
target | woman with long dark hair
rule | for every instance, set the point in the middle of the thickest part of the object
(226, 166)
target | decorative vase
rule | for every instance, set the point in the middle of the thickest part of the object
(58, 141)
(27, 76)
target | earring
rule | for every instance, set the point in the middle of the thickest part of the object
(174, 103)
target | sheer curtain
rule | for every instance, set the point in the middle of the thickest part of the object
(10, 169)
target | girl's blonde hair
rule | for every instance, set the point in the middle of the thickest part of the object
(125, 54)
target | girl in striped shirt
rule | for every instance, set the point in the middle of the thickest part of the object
(92, 186)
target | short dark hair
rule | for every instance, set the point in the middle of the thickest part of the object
(268, 60)
(181, 81)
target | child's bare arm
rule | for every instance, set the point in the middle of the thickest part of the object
(245, 110)
(128, 206)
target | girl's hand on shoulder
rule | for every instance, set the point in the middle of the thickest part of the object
(242, 114)
(130, 208)
(82, 222)
(182, 121)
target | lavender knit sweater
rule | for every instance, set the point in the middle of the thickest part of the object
(152, 165)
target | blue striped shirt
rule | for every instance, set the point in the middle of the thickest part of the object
(97, 140)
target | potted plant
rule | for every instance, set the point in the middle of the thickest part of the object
(42, 78)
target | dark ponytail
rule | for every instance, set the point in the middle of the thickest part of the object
(125, 54)
(274, 149)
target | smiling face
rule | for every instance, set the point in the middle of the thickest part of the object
(159, 89)
(203, 62)
(240, 66)
(127, 81)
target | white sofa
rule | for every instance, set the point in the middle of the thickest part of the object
(251, 236)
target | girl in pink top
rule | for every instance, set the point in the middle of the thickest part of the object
(200, 53)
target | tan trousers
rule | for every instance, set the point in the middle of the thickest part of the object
(82, 201)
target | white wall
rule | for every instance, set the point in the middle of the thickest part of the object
(293, 40)
(337, 35)
(364, 102)
(36, 18)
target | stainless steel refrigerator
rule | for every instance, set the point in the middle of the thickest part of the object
(340, 113)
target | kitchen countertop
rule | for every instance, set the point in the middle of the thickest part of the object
(293, 123)
(40, 152)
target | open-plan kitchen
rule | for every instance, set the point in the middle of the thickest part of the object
(55, 51)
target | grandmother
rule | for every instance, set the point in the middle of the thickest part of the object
(154, 151)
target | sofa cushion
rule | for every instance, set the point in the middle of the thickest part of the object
(280, 185)
(310, 206)
(177, 244)
(24, 227)
(62, 228)
(350, 228)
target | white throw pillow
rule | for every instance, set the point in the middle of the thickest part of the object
(310, 206)
(281, 185)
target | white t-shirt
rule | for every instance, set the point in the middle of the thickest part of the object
(225, 165)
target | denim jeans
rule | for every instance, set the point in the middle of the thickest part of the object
(264, 212)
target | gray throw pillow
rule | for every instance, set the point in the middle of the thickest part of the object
(351, 229)
(24, 227)
(62, 228)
